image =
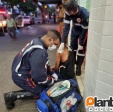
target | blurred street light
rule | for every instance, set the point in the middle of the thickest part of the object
(45, 6)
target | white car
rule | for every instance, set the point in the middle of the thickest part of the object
(28, 20)
(19, 21)
(24, 20)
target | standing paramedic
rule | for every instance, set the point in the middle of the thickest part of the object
(30, 69)
(80, 19)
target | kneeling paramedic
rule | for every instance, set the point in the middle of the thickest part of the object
(80, 20)
(30, 69)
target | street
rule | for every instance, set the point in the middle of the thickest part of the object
(8, 50)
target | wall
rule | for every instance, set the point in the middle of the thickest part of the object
(99, 58)
(88, 4)
(84, 3)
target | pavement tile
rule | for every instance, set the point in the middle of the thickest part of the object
(80, 85)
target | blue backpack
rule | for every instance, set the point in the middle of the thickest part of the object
(50, 104)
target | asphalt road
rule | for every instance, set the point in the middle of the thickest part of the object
(8, 50)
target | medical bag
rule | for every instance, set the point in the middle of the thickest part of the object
(63, 96)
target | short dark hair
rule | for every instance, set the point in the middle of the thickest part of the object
(54, 34)
(70, 5)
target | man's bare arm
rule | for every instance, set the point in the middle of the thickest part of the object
(58, 58)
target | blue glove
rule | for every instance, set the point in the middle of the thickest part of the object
(17, 31)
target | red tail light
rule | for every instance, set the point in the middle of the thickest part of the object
(2, 12)
(24, 0)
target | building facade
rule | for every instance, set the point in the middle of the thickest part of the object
(99, 57)
(84, 3)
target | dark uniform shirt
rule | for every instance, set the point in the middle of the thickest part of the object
(33, 61)
(80, 22)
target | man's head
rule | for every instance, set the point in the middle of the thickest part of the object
(52, 38)
(70, 6)
(60, 6)
(8, 16)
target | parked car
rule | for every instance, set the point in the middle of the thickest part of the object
(19, 21)
(3, 24)
(3, 12)
(24, 20)
(38, 20)
(2, 21)
(28, 20)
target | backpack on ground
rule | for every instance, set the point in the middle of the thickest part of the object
(63, 96)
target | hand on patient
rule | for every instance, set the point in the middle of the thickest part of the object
(61, 48)
(55, 77)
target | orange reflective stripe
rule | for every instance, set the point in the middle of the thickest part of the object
(33, 82)
(29, 82)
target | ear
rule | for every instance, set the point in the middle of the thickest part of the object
(50, 38)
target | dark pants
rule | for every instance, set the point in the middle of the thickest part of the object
(26, 83)
(75, 34)
(12, 32)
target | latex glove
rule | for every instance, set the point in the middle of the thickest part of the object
(17, 31)
(61, 48)
(80, 47)
(55, 77)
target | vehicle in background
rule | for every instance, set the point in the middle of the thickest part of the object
(28, 20)
(3, 12)
(38, 20)
(2, 21)
(21, 21)
(3, 24)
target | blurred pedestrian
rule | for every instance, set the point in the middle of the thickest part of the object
(11, 27)
(60, 17)
(54, 17)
